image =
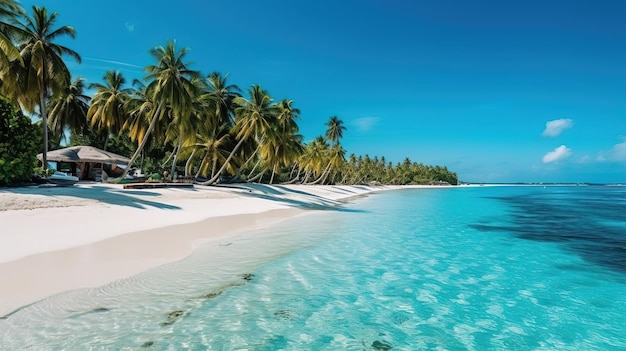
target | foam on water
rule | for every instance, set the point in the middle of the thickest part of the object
(413, 269)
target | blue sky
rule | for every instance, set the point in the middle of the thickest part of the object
(472, 85)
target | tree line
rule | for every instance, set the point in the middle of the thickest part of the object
(177, 118)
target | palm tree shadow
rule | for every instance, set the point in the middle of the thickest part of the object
(102, 194)
(290, 197)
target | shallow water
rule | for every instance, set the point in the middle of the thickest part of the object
(502, 268)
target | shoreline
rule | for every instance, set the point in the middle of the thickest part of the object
(66, 238)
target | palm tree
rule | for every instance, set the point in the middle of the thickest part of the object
(254, 117)
(222, 96)
(336, 155)
(212, 115)
(282, 145)
(44, 73)
(312, 160)
(140, 109)
(170, 87)
(349, 170)
(185, 122)
(69, 110)
(335, 130)
(108, 107)
(336, 158)
(214, 142)
(10, 11)
(287, 116)
(281, 150)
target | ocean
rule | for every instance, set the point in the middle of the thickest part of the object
(464, 268)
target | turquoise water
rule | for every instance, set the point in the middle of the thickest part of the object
(486, 268)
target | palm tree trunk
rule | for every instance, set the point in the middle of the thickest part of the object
(344, 178)
(142, 144)
(294, 179)
(293, 169)
(188, 163)
(169, 157)
(256, 177)
(274, 166)
(213, 167)
(230, 157)
(330, 174)
(307, 175)
(201, 164)
(248, 160)
(273, 172)
(290, 181)
(44, 123)
(180, 145)
(254, 168)
(106, 141)
(324, 174)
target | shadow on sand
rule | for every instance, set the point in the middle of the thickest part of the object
(292, 197)
(137, 198)
(104, 194)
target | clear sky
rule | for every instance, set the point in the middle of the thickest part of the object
(498, 91)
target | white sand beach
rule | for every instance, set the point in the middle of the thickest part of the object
(56, 239)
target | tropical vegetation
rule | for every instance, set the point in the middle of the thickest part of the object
(18, 145)
(178, 119)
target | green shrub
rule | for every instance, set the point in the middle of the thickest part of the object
(19, 144)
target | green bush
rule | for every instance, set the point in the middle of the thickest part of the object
(19, 144)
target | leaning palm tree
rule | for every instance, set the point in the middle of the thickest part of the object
(336, 154)
(108, 107)
(69, 110)
(44, 74)
(170, 87)
(280, 151)
(140, 108)
(336, 158)
(282, 145)
(186, 119)
(214, 143)
(312, 159)
(254, 117)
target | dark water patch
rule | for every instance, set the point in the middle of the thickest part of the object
(173, 317)
(211, 295)
(275, 342)
(400, 318)
(381, 345)
(283, 314)
(100, 309)
(93, 310)
(247, 276)
(590, 222)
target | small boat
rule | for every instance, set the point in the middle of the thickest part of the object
(62, 179)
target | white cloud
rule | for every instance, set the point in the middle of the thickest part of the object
(555, 127)
(619, 152)
(130, 26)
(560, 153)
(616, 154)
(364, 124)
